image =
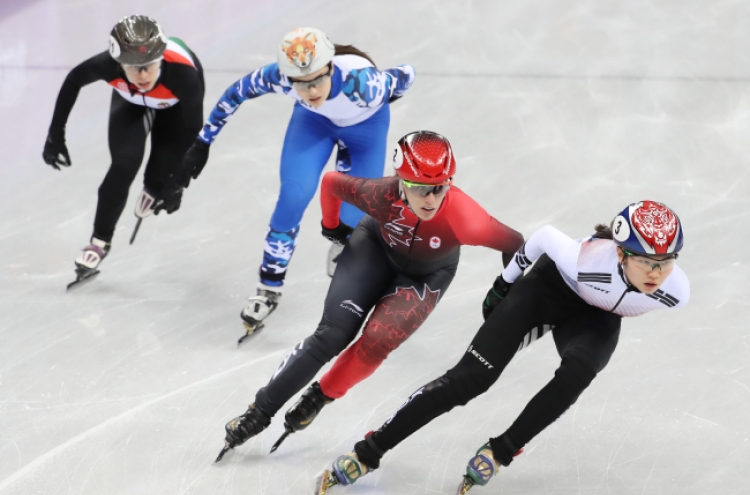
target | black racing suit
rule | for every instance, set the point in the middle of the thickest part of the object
(172, 112)
(540, 301)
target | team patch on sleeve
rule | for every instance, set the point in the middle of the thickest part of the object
(664, 298)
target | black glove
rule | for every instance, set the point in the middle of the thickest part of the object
(168, 199)
(495, 296)
(339, 235)
(195, 159)
(55, 152)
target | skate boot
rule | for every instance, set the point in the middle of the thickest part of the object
(333, 257)
(144, 206)
(88, 261)
(243, 428)
(301, 414)
(261, 305)
(345, 471)
(481, 468)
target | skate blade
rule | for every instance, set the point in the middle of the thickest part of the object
(288, 432)
(465, 486)
(226, 449)
(324, 481)
(82, 277)
(135, 230)
(250, 329)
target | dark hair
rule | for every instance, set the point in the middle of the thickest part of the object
(602, 232)
(351, 50)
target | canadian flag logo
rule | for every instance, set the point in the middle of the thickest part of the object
(434, 242)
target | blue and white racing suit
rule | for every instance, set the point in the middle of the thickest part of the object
(356, 116)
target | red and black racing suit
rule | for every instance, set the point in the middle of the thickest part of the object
(172, 111)
(393, 264)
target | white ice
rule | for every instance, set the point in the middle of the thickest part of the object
(560, 112)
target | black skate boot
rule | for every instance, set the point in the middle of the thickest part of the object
(301, 414)
(243, 428)
(261, 305)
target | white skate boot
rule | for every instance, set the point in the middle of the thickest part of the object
(88, 261)
(261, 305)
(144, 206)
(333, 257)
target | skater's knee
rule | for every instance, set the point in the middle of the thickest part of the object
(294, 197)
(576, 374)
(328, 341)
(458, 390)
(374, 350)
(118, 177)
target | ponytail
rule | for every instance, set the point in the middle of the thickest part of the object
(602, 232)
(351, 50)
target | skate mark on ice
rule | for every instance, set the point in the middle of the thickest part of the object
(41, 460)
(742, 385)
(702, 419)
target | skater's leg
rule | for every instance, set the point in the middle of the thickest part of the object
(128, 126)
(307, 146)
(170, 140)
(366, 144)
(489, 353)
(532, 303)
(363, 275)
(277, 252)
(585, 344)
(395, 318)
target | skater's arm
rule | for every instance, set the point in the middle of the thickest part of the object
(503, 238)
(189, 90)
(264, 80)
(370, 87)
(559, 247)
(401, 79)
(96, 68)
(475, 227)
(332, 190)
(372, 196)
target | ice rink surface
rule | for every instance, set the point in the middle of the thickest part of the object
(560, 112)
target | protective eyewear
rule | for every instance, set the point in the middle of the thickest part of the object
(306, 85)
(648, 264)
(137, 69)
(425, 190)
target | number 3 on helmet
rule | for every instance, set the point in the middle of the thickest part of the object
(649, 228)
